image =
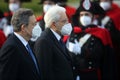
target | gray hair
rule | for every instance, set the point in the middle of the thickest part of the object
(53, 15)
(20, 17)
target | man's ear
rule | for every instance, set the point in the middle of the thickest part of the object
(53, 24)
(23, 27)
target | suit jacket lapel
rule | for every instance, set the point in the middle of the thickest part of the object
(56, 42)
(26, 53)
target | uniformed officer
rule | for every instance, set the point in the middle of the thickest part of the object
(91, 47)
(2, 23)
(111, 21)
(3, 20)
(13, 5)
(70, 10)
(47, 4)
(2, 38)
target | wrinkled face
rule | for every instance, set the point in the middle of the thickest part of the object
(28, 29)
(61, 22)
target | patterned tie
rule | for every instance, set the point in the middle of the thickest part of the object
(32, 56)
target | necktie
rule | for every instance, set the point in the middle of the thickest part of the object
(32, 56)
(62, 45)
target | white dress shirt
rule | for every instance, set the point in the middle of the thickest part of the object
(21, 39)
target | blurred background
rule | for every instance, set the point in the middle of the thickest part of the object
(37, 8)
(34, 5)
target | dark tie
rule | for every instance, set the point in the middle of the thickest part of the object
(33, 57)
(62, 45)
(64, 48)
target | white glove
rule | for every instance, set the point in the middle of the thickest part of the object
(78, 78)
(74, 47)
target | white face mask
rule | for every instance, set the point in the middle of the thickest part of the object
(105, 5)
(66, 29)
(85, 20)
(36, 32)
(46, 7)
(95, 21)
(14, 6)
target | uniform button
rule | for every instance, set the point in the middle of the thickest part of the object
(90, 62)
(75, 35)
(89, 67)
(71, 39)
(91, 43)
(92, 39)
(73, 67)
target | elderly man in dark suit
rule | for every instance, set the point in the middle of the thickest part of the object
(17, 61)
(52, 55)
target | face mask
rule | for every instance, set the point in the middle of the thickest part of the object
(105, 5)
(85, 20)
(95, 21)
(66, 29)
(13, 7)
(46, 7)
(36, 32)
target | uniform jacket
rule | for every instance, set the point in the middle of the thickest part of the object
(55, 63)
(41, 22)
(96, 61)
(70, 11)
(2, 38)
(15, 61)
(8, 16)
(114, 15)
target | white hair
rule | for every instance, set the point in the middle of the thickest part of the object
(53, 15)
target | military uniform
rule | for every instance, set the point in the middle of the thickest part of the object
(96, 60)
(41, 22)
(108, 23)
(9, 14)
(2, 38)
(111, 23)
(40, 19)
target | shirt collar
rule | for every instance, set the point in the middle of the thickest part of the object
(56, 34)
(21, 39)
